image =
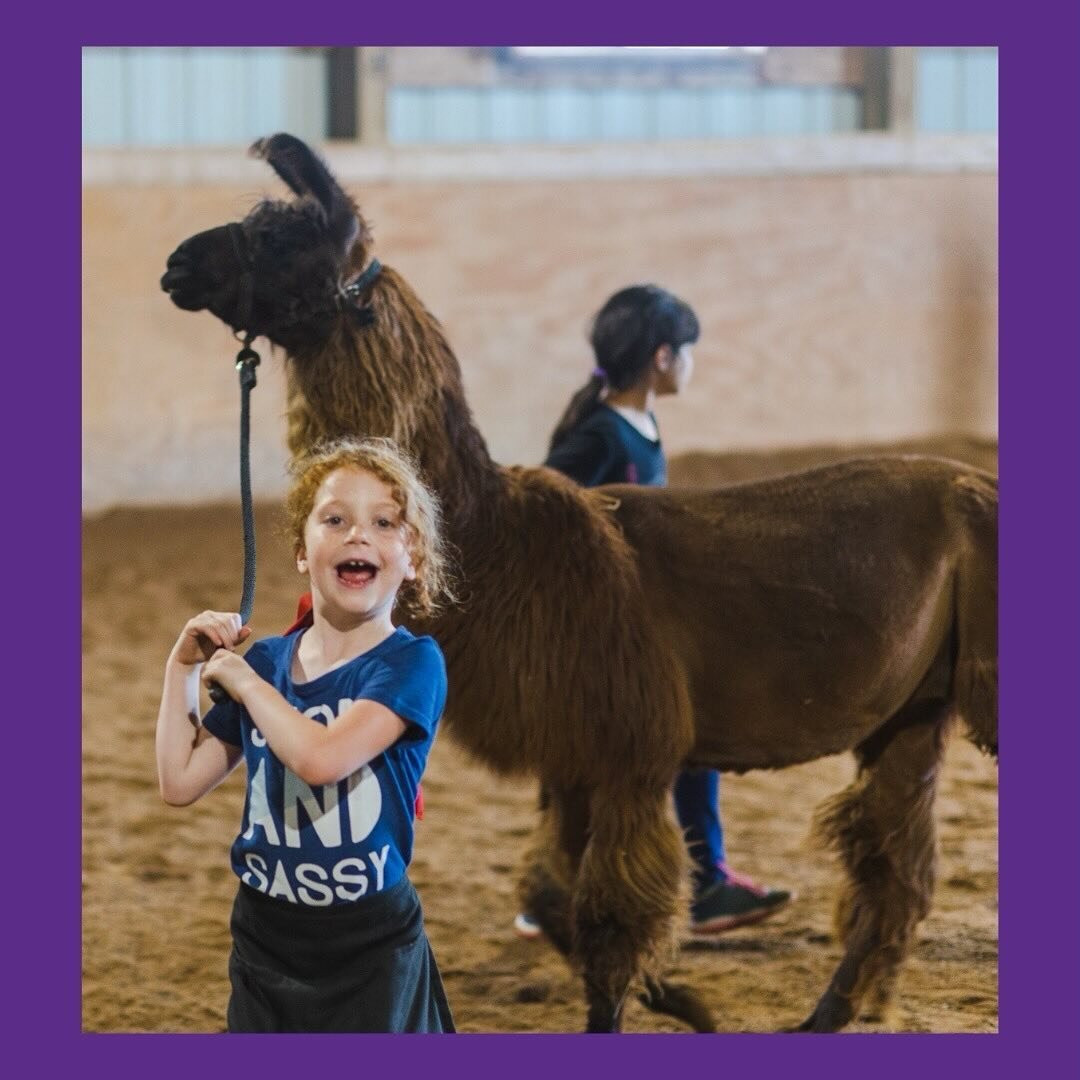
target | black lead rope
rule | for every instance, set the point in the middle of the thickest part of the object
(247, 360)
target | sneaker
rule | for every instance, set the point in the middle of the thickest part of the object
(525, 927)
(734, 901)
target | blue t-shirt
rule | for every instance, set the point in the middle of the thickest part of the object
(605, 448)
(338, 842)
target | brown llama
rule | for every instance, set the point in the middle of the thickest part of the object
(607, 637)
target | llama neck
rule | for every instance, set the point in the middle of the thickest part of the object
(455, 461)
(398, 379)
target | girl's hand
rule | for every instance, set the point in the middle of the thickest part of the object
(229, 671)
(206, 633)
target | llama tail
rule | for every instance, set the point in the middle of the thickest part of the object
(976, 671)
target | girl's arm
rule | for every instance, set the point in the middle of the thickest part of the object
(316, 753)
(190, 761)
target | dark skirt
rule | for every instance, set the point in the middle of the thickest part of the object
(365, 966)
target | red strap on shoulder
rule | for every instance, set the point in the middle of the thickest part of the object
(304, 617)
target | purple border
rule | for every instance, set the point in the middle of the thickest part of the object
(1040, 344)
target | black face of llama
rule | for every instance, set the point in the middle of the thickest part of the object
(282, 272)
(734, 628)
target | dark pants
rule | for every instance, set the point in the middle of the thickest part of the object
(364, 966)
(697, 794)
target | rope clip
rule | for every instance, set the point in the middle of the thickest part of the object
(247, 360)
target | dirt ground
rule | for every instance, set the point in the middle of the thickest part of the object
(157, 887)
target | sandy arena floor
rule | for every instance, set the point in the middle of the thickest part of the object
(157, 887)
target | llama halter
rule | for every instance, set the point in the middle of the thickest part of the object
(362, 313)
(246, 290)
(355, 288)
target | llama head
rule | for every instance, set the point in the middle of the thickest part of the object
(281, 272)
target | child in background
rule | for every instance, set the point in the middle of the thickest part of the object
(334, 722)
(641, 340)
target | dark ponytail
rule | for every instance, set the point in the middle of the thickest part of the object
(625, 335)
(582, 404)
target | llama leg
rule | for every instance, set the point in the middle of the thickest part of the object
(552, 860)
(882, 827)
(627, 896)
(552, 864)
(661, 996)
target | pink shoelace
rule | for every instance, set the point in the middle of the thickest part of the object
(732, 877)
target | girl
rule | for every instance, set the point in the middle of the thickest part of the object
(334, 721)
(641, 340)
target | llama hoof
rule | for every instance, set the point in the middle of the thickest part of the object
(812, 1025)
(678, 1001)
(829, 1016)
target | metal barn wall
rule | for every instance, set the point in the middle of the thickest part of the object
(602, 114)
(200, 96)
(956, 90)
(206, 96)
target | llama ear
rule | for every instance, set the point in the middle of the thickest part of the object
(297, 164)
(307, 175)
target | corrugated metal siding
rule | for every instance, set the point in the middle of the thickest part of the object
(956, 90)
(200, 96)
(572, 114)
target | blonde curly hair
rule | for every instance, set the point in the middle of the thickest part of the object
(421, 516)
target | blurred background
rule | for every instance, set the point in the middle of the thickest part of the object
(831, 214)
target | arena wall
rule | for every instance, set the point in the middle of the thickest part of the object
(847, 289)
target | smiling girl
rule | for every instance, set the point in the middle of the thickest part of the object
(334, 721)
